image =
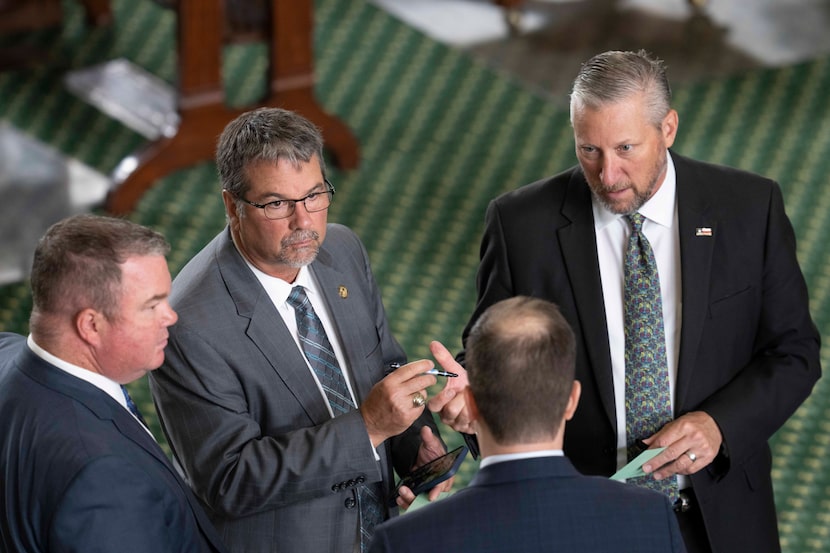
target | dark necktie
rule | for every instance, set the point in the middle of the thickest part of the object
(317, 349)
(647, 393)
(133, 407)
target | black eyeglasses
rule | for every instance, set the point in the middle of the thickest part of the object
(280, 209)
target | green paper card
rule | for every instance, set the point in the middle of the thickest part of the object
(635, 467)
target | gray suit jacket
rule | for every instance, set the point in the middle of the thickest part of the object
(244, 416)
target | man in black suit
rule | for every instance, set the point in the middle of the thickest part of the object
(78, 470)
(527, 497)
(741, 350)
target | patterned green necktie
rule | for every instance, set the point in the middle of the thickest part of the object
(647, 393)
(321, 357)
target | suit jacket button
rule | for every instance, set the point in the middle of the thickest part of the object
(350, 503)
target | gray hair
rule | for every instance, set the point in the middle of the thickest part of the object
(614, 76)
(265, 134)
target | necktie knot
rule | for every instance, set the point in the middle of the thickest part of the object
(298, 298)
(636, 221)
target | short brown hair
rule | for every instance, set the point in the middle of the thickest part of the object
(521, 362)
(77, 264)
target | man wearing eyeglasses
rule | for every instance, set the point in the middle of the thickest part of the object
(276, 394)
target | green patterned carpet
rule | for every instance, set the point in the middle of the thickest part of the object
(441, 135)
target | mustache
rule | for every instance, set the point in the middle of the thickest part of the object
(300, 236)
(614, 188)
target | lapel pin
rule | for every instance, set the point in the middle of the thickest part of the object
(343, 291)
(703, 231)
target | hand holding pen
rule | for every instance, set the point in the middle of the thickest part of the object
(394, 403)
(419, 399)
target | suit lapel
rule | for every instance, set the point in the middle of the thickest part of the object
(698, 228)
(579, 254)
(94, 399)
(134, 431)
(267, 331)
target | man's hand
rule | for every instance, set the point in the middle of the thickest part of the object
(694, 434)
(389, 408)
(431, 448)
(450, 403)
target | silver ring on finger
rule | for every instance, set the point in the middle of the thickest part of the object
(691, 456)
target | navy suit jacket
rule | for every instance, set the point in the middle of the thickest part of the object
(749, 351)
(536, 505)
(79, 474)
(245, 416)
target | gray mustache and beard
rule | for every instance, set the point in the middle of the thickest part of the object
(293, 257)
(641, 196)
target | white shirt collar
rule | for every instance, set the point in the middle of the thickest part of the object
(493, 459)
(112, 388)
(278, 289)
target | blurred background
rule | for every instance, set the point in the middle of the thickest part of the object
(432, 108)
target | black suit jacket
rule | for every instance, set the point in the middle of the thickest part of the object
(749, 351)
(537, 505)
(79, 474)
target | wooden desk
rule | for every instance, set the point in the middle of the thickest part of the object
(201, 97)
(18, 16)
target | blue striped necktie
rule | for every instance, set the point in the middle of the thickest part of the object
(132, 406)
(317, 349)
(647, 393)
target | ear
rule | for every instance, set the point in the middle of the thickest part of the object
(669, 127)
(472, 406)
(230, 205)
(573, 400)
(89, 324)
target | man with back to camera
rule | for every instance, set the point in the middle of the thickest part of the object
(527, 497)
(722, 331)
(79, 472)
(274, 394)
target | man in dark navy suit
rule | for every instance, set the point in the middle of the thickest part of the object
(527, 497)
(79, 471)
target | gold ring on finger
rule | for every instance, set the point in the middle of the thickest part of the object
(418, 400)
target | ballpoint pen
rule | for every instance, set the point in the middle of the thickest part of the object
(437, 372)
(433, 371)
